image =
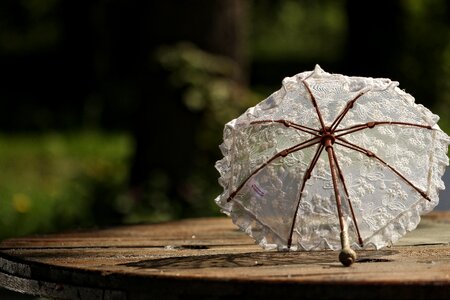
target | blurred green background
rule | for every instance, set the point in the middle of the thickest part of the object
(112, 111)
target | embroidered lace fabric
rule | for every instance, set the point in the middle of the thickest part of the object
(385, 205)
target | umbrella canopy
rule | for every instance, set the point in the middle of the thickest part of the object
(332, 162)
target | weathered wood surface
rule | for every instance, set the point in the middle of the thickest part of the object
(209, 258)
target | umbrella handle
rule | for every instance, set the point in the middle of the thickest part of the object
(347, 256)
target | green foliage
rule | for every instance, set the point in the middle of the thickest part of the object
(208, 89)
(206, 81)
(427, 64)
(298, 30)
(35, 28)
(53, 181)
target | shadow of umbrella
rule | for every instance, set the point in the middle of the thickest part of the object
(444, 195)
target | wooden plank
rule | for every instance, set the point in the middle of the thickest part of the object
(210, 258)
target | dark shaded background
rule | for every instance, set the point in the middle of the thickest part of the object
(125, 101)
(169, 74)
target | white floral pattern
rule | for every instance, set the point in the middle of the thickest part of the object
(385, 206)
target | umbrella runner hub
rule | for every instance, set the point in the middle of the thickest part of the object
(327, 139)
(382, 163)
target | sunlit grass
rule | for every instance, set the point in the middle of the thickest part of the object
(47, 180)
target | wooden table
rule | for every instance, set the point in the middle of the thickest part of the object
(209, 258)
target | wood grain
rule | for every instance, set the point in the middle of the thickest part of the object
(209, 258)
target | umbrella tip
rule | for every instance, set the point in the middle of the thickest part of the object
(231, 196)
(423, 194)
(361, 242)
(347, 257)
(289, 244)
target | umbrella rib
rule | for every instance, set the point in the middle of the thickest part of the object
(341, 176)
(347, 107)
(359, 127)
(287, 123)
(305, 178)
(357, 148)
(314, 102)
(283, 153)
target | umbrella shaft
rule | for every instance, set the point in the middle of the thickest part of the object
(343, 227)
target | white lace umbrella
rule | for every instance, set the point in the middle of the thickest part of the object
(332, 162)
